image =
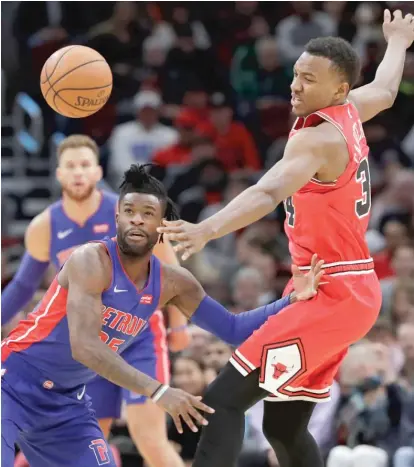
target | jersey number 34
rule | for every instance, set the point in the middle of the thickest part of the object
(362, 205)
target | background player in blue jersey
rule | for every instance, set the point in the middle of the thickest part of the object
(102, 297)
(85, 213)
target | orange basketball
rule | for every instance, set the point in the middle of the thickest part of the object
(76, 81)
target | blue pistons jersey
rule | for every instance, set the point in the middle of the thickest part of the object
(67, 234)
(42, 340)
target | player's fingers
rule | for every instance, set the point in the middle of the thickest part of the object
(387, 16)
(408, 18)
(296, 271)
(318, 277)
(314, 260)
(318, 266)
(188, 252)
(173, 223)
(183, 245)
(170, 229)
(177, 423)
(196, 402)
(189, 421)
(397, 14)
(197, 416)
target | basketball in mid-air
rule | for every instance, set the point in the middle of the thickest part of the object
(76, 81)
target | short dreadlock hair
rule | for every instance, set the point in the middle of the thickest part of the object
(340, 52)
(138, 180)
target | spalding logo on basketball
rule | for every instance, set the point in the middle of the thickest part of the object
(76, 81)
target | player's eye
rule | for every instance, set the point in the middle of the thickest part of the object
(128, 210)
(149, 213)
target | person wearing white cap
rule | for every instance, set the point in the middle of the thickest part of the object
(136, 141)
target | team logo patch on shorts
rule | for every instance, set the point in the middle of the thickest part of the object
(281, 364)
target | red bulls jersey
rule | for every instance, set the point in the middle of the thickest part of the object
(331, 219)
(42, 340)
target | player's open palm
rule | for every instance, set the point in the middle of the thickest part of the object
(399, 26)
(306, 284)
(179, 404)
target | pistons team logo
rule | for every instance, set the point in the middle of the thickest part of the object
(48, 384)
(280, 369)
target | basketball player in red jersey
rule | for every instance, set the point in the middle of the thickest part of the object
(324, 181)
(85, 213)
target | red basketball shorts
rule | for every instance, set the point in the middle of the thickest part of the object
(300, 349)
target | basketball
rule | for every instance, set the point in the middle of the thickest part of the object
(76, 81)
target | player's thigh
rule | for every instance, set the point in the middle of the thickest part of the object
(106, 398)
(76, 443)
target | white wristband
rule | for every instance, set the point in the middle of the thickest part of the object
(159, 393)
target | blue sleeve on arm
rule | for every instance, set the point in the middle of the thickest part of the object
(234, 328)
(21, 289)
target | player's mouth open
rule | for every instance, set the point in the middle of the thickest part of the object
(295, 100)
(136, 235)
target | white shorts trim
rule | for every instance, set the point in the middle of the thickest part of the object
(244, 360)
(314, 391)
(238, 367)
(340, 263)
(298, 398)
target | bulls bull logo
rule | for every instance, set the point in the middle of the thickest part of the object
(280, 369)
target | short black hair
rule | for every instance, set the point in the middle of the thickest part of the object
(340, 52)
(138, 180)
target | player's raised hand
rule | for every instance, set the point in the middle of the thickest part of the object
(180, 404)
(399, 26)
(306, 284)
(190, 238)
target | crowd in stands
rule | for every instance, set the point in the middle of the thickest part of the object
(201, 89)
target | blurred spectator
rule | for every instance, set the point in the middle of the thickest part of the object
(221, 252)
(371, 410)
(188, 66)
(119, 40)
(247, 288)
(188, 375)
(397, 197)
(394, 228)
(405, 335)
(273, 78)
(180, 152)
(166, 31)
(402, 307)
(217, 354)
(236, 148)
(296, 30)
(403, 265)
(137, 141)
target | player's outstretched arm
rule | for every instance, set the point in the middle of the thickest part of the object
(34, 264)
(86, 275)
(305, 155)
(234, 328)
(379, 95)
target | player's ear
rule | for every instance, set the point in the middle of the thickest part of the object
(343, 91)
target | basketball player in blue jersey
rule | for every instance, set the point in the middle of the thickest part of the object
(83, 214)
(98, 303)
